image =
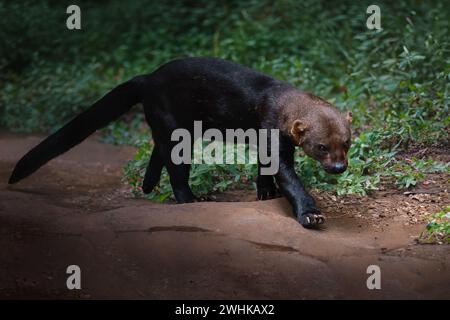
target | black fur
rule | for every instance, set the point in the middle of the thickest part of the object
(221, 94)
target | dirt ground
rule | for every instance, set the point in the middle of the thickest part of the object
(75, 210)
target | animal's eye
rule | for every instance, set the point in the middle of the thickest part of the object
(322, 148)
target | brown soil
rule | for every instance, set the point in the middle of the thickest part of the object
(76, 211)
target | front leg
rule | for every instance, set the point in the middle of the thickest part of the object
(265, 186)
(303, 204)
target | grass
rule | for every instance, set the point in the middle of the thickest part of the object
(395, 80)
(438, 228)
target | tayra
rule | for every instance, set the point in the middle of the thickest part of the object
(223, 95)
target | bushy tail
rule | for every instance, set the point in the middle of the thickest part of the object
(115, 103)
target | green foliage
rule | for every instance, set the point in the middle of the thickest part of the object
(133, 132)
(438, 228)
(46, 97)
(203, 178)
(409, 173)
(395, 80)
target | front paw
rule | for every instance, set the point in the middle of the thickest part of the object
(311, 218)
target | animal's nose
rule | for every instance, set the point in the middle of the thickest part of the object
(339, 167)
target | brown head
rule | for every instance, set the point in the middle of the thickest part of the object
(320, 129)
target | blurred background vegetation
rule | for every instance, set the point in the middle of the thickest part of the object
(395, 80)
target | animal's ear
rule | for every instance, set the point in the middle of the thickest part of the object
(349, 117)
(297, 131)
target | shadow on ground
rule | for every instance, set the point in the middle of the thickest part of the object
(76, 211)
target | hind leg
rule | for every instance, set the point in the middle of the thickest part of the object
(179, 179)
(153, 172)
(179, 175)
(265, 186)
(162, 124)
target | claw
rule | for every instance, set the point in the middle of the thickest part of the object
(312, 220)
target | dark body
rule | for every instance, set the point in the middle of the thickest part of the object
(221, 94)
